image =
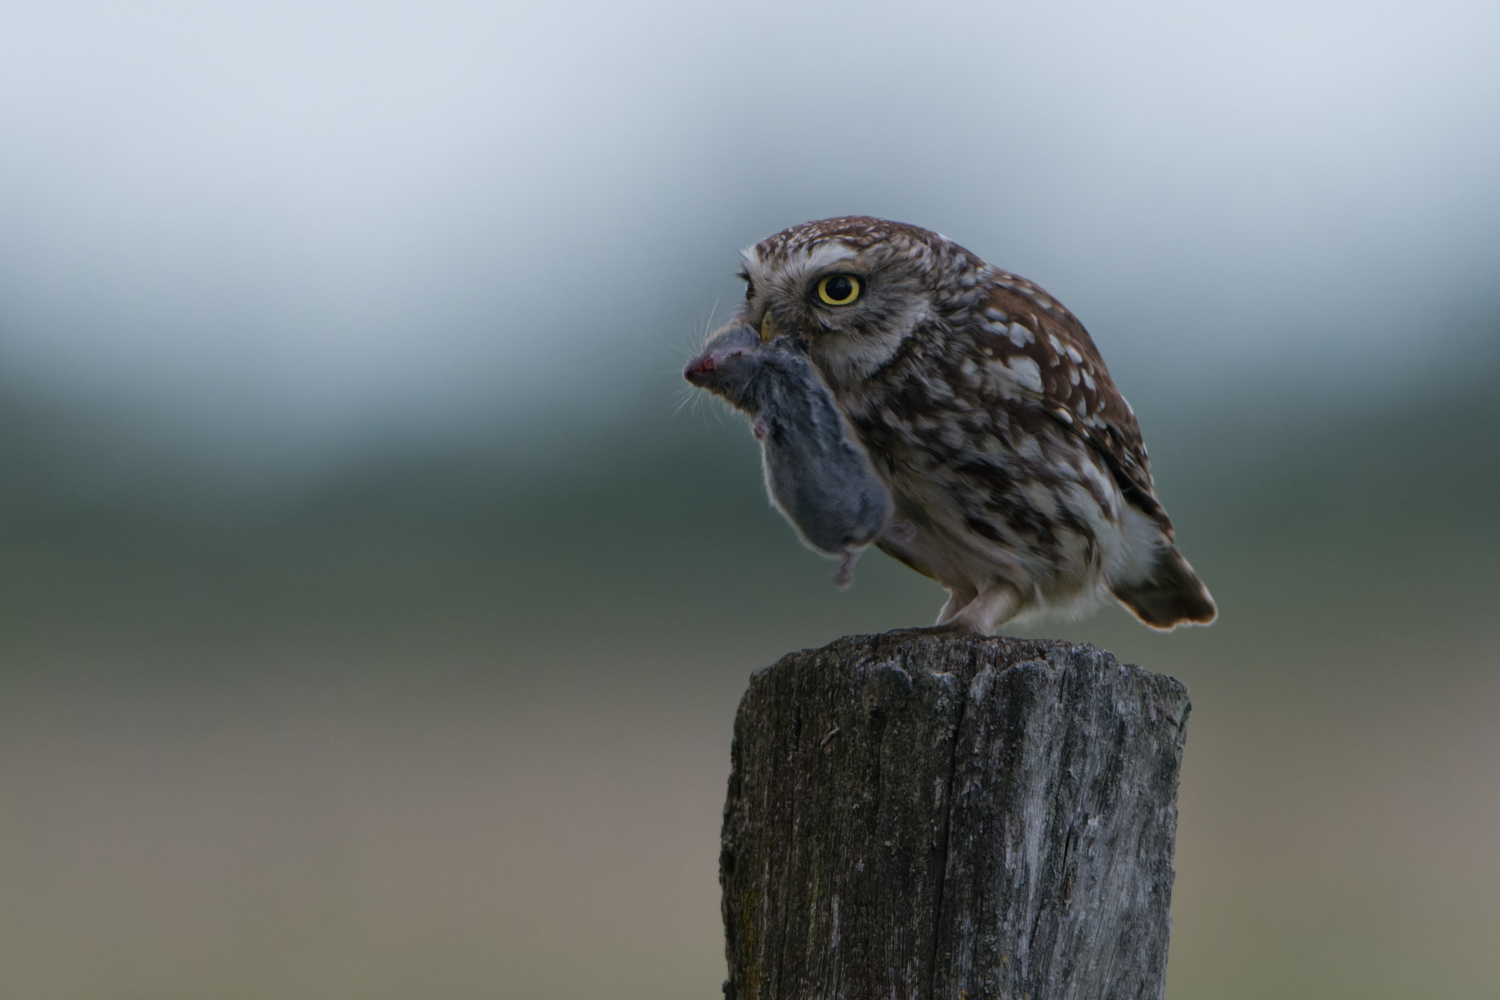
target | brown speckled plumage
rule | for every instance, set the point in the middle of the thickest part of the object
(1020, 477)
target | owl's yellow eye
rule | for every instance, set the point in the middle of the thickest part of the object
(838, 289)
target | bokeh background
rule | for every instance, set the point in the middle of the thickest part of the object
(374, 601)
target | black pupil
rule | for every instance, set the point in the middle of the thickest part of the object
(839, 288)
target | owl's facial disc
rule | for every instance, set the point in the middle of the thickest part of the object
(851, 304)
(826, 293)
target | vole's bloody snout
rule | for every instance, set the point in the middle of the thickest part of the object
(730, 341)
(699, 368)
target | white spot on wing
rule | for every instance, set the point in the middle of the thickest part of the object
(1024, 372)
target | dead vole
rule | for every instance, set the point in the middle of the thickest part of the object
(816, 474)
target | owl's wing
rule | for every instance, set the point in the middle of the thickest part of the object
(1049, 358)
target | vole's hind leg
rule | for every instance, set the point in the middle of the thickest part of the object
(844, 575)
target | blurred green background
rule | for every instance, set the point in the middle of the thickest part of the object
(374, 602)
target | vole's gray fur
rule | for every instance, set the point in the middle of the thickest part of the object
(816, 474)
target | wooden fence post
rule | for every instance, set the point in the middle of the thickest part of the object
(932, 816)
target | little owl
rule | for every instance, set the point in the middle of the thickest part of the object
(1020, 480)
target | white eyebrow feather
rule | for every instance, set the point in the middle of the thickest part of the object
(826, 254)
(802, 262)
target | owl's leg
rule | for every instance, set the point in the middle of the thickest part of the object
(957, 600)
(993, 607)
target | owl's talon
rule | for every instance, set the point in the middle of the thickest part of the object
(946, 628)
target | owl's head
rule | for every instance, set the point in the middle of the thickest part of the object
(854, 288)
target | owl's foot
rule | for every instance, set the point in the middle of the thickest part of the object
(951, 628)
(957, 601)
(982, 613)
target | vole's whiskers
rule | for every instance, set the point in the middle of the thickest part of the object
(686, 395)
(685, 342)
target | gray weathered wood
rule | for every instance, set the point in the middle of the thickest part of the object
(931, 815)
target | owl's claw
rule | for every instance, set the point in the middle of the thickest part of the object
(946, 628)
(981, 613)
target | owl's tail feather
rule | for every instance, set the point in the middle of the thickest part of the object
(1172, 595)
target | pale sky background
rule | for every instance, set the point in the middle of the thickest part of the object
(307, 222)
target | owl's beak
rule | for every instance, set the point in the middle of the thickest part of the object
(769, 330)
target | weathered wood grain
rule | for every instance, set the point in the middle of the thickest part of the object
(929, 815)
